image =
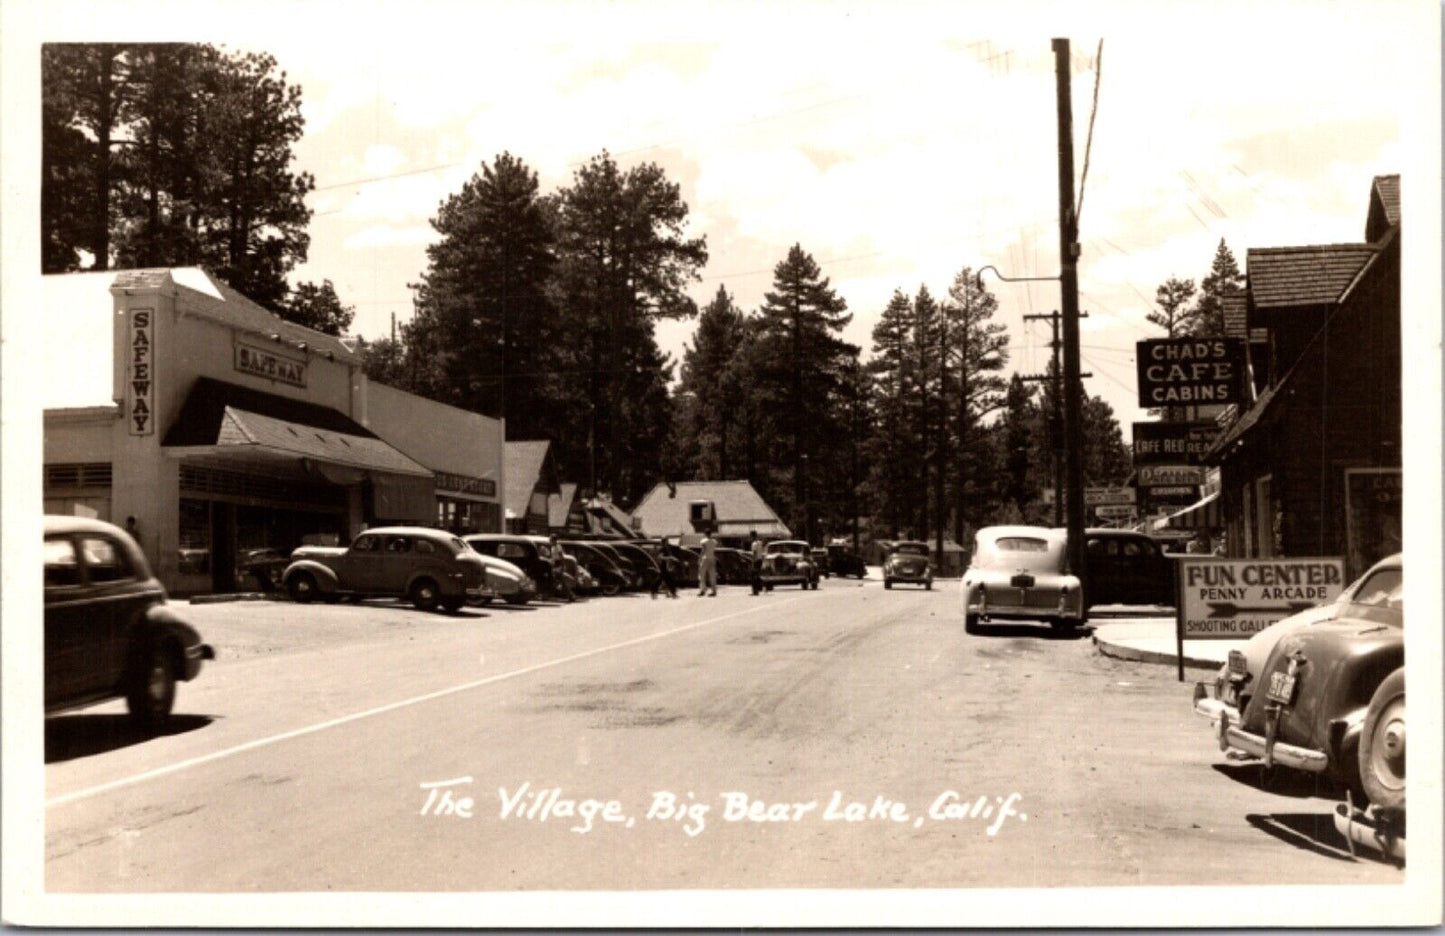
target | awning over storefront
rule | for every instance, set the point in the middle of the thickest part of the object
(226, 426)
(1201, 515)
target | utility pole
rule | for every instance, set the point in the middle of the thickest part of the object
(1056, 418)
(1069, 281)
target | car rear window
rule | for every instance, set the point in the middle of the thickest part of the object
(104, 560)
(912, 550)
(1026, 544)
(61, 567)
(1381, 589)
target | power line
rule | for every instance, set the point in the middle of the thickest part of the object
(1089, 142)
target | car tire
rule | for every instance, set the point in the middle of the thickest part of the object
(928, 585)
(610, 590)
(424, 594)
(153, 688)
(1382, 745)
(970, 623)
(302, 587)
(888, 583)
(452, 604)
(1063, 625)
(516, 598)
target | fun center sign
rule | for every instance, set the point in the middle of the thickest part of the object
(1232, 599)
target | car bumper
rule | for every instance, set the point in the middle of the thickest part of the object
(1025, 612)
(194, 655)
(480, 593)
(1221, 714)
(1290, 755)
(917, 578)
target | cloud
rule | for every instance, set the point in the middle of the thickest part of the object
(384, 235)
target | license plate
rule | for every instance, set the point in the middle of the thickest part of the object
(1022, 581)
(1237, 663)
(1281, 688)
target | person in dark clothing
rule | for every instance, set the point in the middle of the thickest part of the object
(666, 564)
(755, 552)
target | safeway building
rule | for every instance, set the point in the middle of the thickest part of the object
(216, 428)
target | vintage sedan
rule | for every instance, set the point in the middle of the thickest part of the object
(842, 560)
(427, 567)
(1128, 568)
(1021, 572)
(531, 554)
(1222, 700)
(508, 581)
(787, 562)
(1331, 700)
(108, 632)
(908, 561)
(610, 579)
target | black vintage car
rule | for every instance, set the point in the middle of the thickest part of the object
(1331, 700)
(1128, 568)
(642, 562)
(610, 578)
(108, 632)
(734, 567)
(531, 554)
(843, 561)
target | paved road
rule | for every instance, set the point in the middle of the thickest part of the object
(302, 757)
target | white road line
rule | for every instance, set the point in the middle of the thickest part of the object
(392, 706)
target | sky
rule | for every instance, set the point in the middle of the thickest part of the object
(896, 148)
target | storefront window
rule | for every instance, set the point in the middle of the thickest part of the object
(1374, 505)
(195, 542)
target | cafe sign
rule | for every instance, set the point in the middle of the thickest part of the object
(1172, 443)
(259, 362)
(1189, 371)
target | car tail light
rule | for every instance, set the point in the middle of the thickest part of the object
(982, 599)
(1064, 598)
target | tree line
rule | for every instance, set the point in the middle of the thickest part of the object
(541, 308)
(177, 154)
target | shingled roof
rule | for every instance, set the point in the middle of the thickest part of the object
(522, 465)
(1384, 206)
(1281, 277)
(740, 509)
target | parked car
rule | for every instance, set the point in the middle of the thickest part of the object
(842, 560)
(261, 568)
(1237, 680)
(507, 581)
(428, 567)
(642, 561)
(531, 554)
(908, 562)
(685, 572)
(1331, 700)
(630, 570)
(1128, 568)
(610, 579)
(108, 632)
(819, 555)
(787, 562)
(734, 567)
(1021, 572)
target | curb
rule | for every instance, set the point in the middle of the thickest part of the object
(236, 596)
(1124, 652)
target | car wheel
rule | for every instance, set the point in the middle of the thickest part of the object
(970, 623)
(928, 585)
(302, 587)
(1382, 744)
(888, 583)
(452, 604)
(516, 598)
(1062, 625)
(425, 595)
(153, 689)
(610, 589)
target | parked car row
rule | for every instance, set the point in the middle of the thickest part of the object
(1324, 692)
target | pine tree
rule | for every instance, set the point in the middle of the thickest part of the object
(895, 443)
(1206, 319)
(1172, 299)
(799, 323)
(719, 334)
(980, 353)
(318, 307)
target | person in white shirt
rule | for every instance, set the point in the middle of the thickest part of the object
(707, 568)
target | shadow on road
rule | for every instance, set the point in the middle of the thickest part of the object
(1298, 784)
(507, 606)
(1036, 631)
(1312, 832)
(71, 736)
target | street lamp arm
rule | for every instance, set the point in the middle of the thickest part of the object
(978, 278)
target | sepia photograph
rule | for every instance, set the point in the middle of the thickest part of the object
(778, 464)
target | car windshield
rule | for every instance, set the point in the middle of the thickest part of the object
(911, 549)
(788, 548)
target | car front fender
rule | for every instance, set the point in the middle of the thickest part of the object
(326, 578)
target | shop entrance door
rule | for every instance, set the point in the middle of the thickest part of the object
(223, 546)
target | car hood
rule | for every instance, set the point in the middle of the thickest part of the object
(1256, 649)
(316, 552)
(500, 565)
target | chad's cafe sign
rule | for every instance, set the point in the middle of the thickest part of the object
(1233, 599)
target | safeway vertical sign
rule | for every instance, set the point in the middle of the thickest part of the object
(140, 384)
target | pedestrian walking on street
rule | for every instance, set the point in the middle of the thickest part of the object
(707, 567)
(665, 564)
(755, 549)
